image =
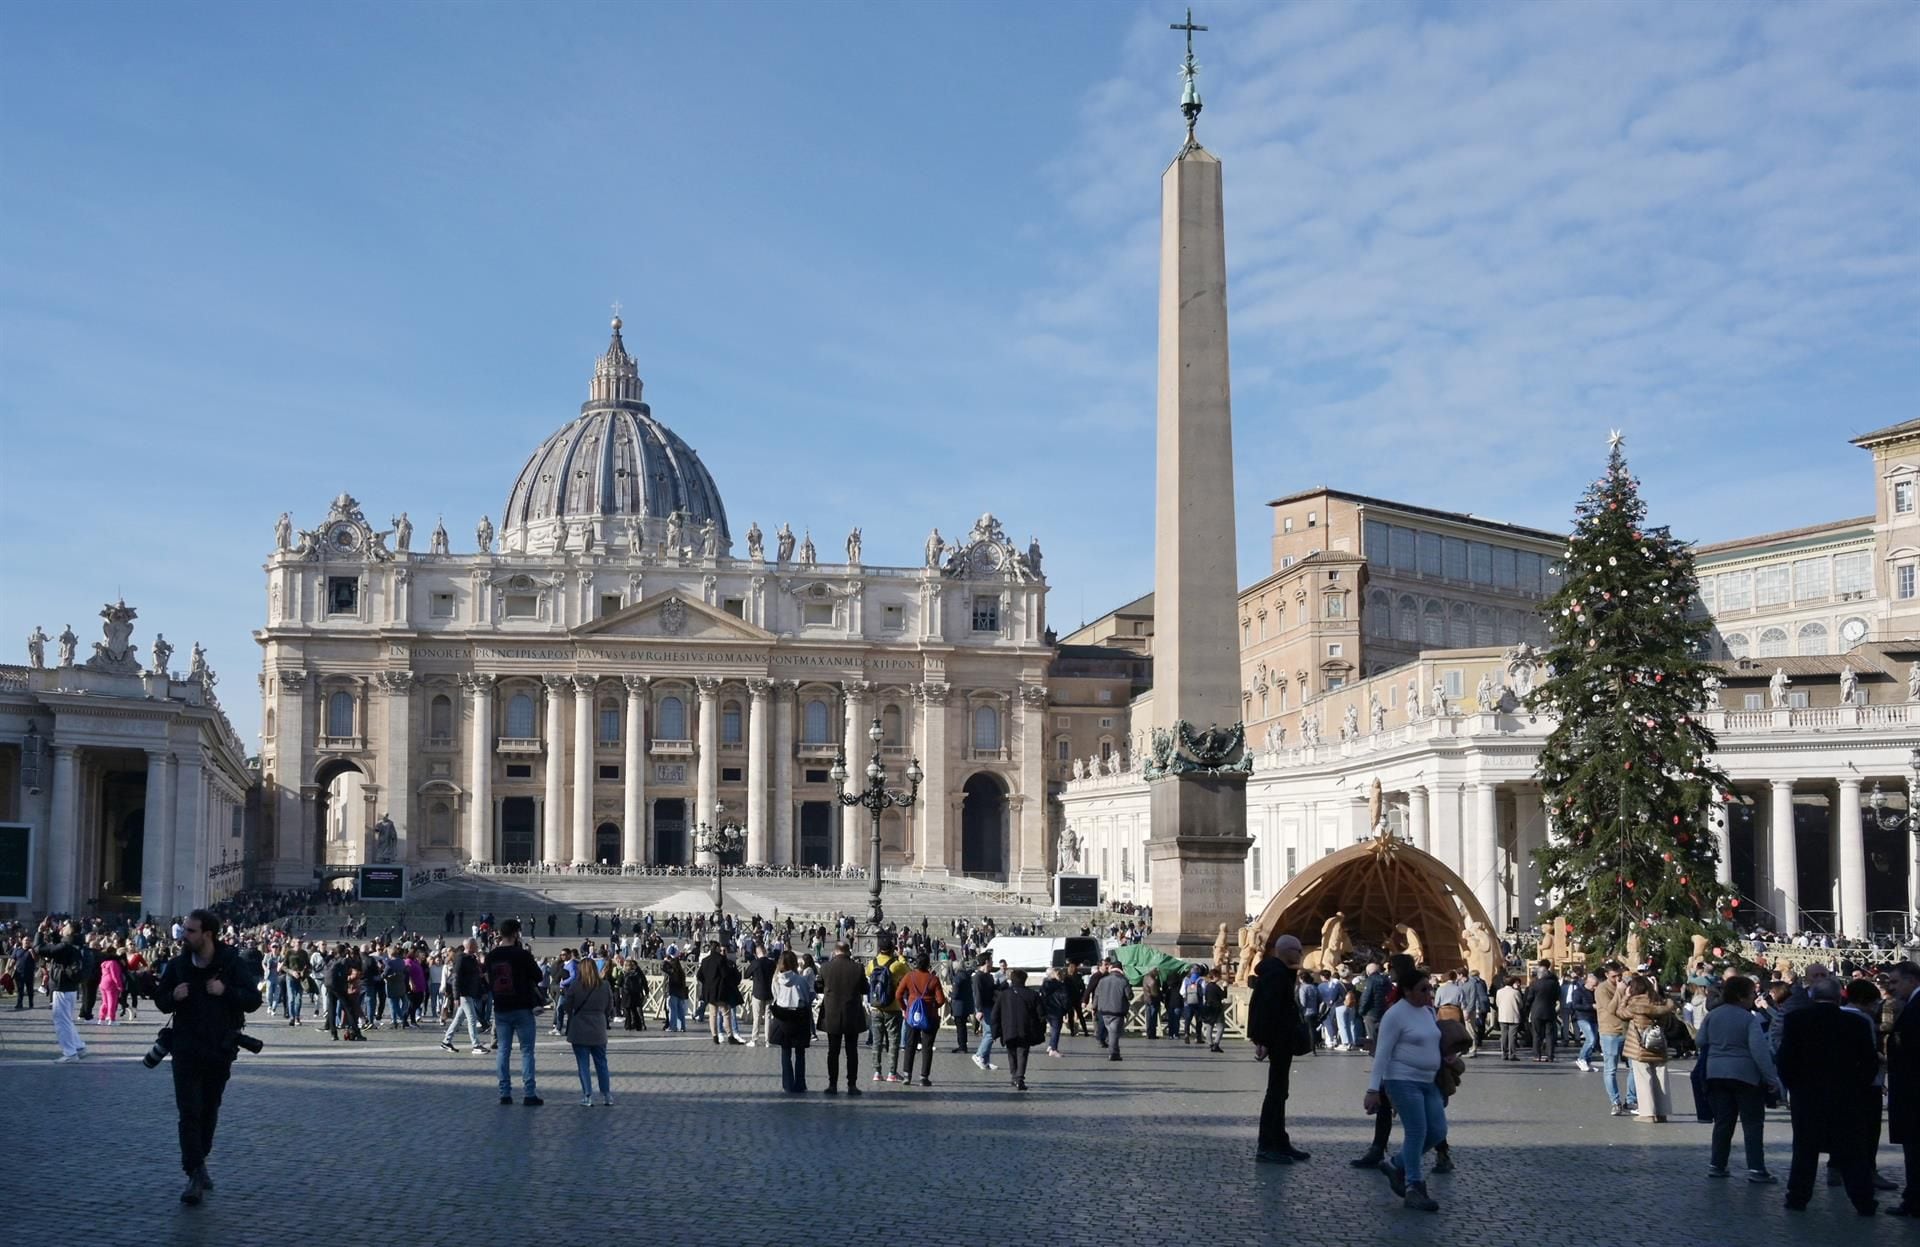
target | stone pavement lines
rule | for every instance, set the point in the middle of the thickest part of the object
(692, 1118)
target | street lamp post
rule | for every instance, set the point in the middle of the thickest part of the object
(718, 838)
(1888, 821)
(875, 797)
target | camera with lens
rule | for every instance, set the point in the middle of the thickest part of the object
(162, 1048)
(248, 1042)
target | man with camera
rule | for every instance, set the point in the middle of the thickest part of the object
(207, 993)
(66, 964)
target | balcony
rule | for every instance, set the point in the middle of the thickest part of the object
(822, 751)
(987, 755)
(441, 744)
(342, 744)
(671, 748)
(518, 744)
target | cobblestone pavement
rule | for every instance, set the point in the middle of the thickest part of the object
(397, 1141)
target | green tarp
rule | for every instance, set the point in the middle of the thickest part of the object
(1137, 959)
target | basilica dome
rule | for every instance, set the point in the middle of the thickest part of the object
(611, 468)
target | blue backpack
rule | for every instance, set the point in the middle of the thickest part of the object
(880, 986)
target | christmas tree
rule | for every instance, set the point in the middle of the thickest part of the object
(1628, 771)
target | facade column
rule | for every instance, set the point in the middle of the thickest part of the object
(707, 765)
(1418, 830)
(190, 831)
(1030, 851)
(1722, 843)
(633, 774)
(63, 837)
(1482, 847)
(583, 743)
(553, 826)
(1446, 827)
(480, 781)
(293, 838)
(1785, 901)
(935, 851)
(396, 758)
(1853, 860)
(156, 832)
(757, 691)
(783, 847)
(859, 751)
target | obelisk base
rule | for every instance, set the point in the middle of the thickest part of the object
(1198, 850)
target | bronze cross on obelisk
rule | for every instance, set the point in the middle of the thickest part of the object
(1189, 94)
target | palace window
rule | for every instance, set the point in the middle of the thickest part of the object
(519, 770)
(893, 617)
(609, 722)
(891, 730)
(1770, 586)
(816, 727)
(1406, 620)
(671, 723)
(1456, 682)
(440, 824)
(737, 607)
(1753, 701)
(1903, 581)
(340, 714)
(1737, 645)
(1433, 626)
(986, 728)
(1428, 547)
(1812, 639)
(1736, 591)
(1852, 573)
(730, 723)
(440, 718)
(1063, 750)
(1810, 579)
(522, 606)
(520, 717)
(441, 605)
(1460, 626)
(1773, 643)
(1336, 605)
(817, 614)
(1903, 497)
(1453, 558)
(269, 728)
(610, 770)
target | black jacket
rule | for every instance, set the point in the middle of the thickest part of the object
(982, 986)
(467, 979)
(843, 997)
(204, 1024)
(1016, 1016)
(1903, 1076)
(513, 977)
(1273, 1012)
(1543, 999)
(1827, 1060)
(763, 967)
(66, 965)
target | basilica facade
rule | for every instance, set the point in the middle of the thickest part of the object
(613, 667)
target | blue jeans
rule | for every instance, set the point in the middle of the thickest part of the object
(1589, 1039)
(295, 997)
(1612, 1048)
(676, 1013)
(793, 1068)
(597, 1053)
(985, 1050)
(470, 1010)
(1153, 1017)
(1053, 1031)
(511, 1026)
(1423, 1120)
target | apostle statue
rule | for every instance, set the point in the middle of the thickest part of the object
(37, 647)
(560, 537)
(756, 542)
(673, 532)
(1310, 729)
(807, 555)
(436, 544)
(1033, 555)
(636, 534)
(1376, 713)
(1777, 688)
(283, 532)
(1413, 700)
(197, 668)
(1712, 686)
(68, 643)
(483, 535)
(162, 653)
(783, 544)
(936, 547)
(1483, 692)
(1350, 722)
(402, 532)
(709, 539)
(853, 547)
(1913, 681)
(386, 840)
(1439, 699)
(586, 537)
(1849, 684)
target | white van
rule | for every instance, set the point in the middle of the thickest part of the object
(1036, 954)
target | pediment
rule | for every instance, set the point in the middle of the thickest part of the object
(673, 616)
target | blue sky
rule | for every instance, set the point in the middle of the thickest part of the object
(893, 265)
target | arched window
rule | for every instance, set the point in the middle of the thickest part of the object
(891, 730)
(520, 717)
(1460, 626)
(1406, 619)
(1737, 645)
(816, 726)
(609, 722)
(440, 824)
(672, 722)
(1773, 643)
(269, 725)
(730, 723)
(1483, 626)
(1433, 626)
(1379, 614)
(440, 718)
(1813, 638)
(340, 714)
(986, 727)
(1509, 627)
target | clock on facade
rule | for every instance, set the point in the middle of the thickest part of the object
(1853, 632)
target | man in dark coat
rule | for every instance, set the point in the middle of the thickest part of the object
(1015, 1022)
(960, 1004)
(843, 1015)
(1273, 1019)
(1827, 1063)
(1903, 1083)
(208, 994)
(719, 982)
(1543, 1007)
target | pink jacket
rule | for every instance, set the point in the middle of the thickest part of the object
(111, 977)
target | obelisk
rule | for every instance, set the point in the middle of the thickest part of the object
(1198, 765)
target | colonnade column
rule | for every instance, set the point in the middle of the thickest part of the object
(156, 859)
(1786, 867)
(633, 773)
(1030, 848)
(553, 829)
(1853, 861)
(396, 756)
(480, 786)
(190, 831)
(1446, 826)
(757, 691)
(859, 750)
(63, 838)
(935, 851)
(706, 770)
(783, 851)
(293, 839)
(1418, 830)
(1722, 842)
(583, 742)
(1483, 845)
